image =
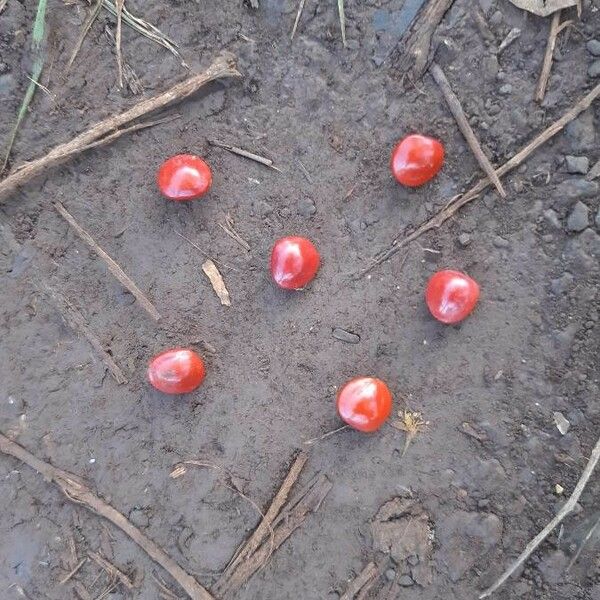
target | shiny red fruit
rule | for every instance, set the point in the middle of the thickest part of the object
(364, 403)
(294, 262)
(176, 371)
(416, 159)
(451, 296)
(184, 177)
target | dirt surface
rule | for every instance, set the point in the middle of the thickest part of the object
(481, 490)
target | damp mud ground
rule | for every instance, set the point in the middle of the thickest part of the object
(486, 474)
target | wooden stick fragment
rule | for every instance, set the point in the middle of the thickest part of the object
(113, 571)
(75, 490)
(233, 234)
(77, 322)
(223, 66)
(364, 578)
(297, 20)
(457, 202)
(265, 527)
(216, 280)
(463, 124)
(245, 153)
(555, 29)
(287, 522)
(73, 571)
(118, 36)
(415, 47)
(112, 265)
(542, 535)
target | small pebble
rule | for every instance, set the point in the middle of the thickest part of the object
(500, 242)
(577, 164)
(413, 560)
(578, 219)
(594, 69)
(306, 207)
(593, 47)
(506, 89)
(464, 239)
(552, 219)
(345, 336)
(390, 574)
(405, 581)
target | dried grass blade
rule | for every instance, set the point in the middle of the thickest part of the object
(84, 31)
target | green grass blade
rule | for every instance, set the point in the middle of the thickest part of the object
(37, 40)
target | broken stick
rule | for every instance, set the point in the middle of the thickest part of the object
(223, 66)
(414, 48)
(75, 490)
(542, 535)
(555, 28)
(457, 202)
(112, 265)
(291, 517)
(364, 578)
(77, 322)
(216, 280)
(265, 527)
(245, 153)
(463, 124)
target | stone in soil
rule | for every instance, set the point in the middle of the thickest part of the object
(577, 164)
(593, 47)
(139, 518)
(598, 219)
(464, 239)
(552, 219)
(465, 539)
(306, 207)
(573, 189)
(594, 69)
(581, 133)
(578, 218)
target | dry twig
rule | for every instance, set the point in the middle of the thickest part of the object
(366, 577)
(245, 153)
(112, 265)
(463, 124)
(118, 36)
(584, 541)
(266, 525)
(223, 66)
(555, 28)
(73, 571)
(325, 435)
(342, 15)
(114, 572)
(291, 517)
(94, 12)
(216, 280)
(75, 490)
(233, 234)
(77, 322)
(297, 20)
(456, 203)
(542, 535)
(414, 48)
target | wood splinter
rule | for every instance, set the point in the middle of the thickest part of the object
(463, 124)
(363, 581)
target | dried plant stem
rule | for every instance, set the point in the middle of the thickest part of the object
(298, 15)
(112, 265)
(456, 203)
(245, 153)
(342, 20)
(364, 578)
(76, 491)
(542, 535)
(94, 12)
(555, 28)
(463, 124)
(118, 39)
(223, 66)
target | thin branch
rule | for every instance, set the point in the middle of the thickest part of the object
(223, 66)
(76, 491)
(118, 36)
(463, 124)
(298, 15)
(542, 535)
(555, 29)
(342, 20)
(366, 576)
(94, 12)
(113, 571)
(266, 525)
(77, 322)
(73, 572)
(585, 540)
(112, 265)
(245, 153)
(457, 202)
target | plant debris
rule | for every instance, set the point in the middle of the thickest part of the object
(216, 280)
(543, 8)
(412, 423)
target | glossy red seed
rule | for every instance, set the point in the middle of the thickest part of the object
(364, 403)
(184, 177)
(294, 262)
(176, 371)
(416, 159)
(451, 296)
